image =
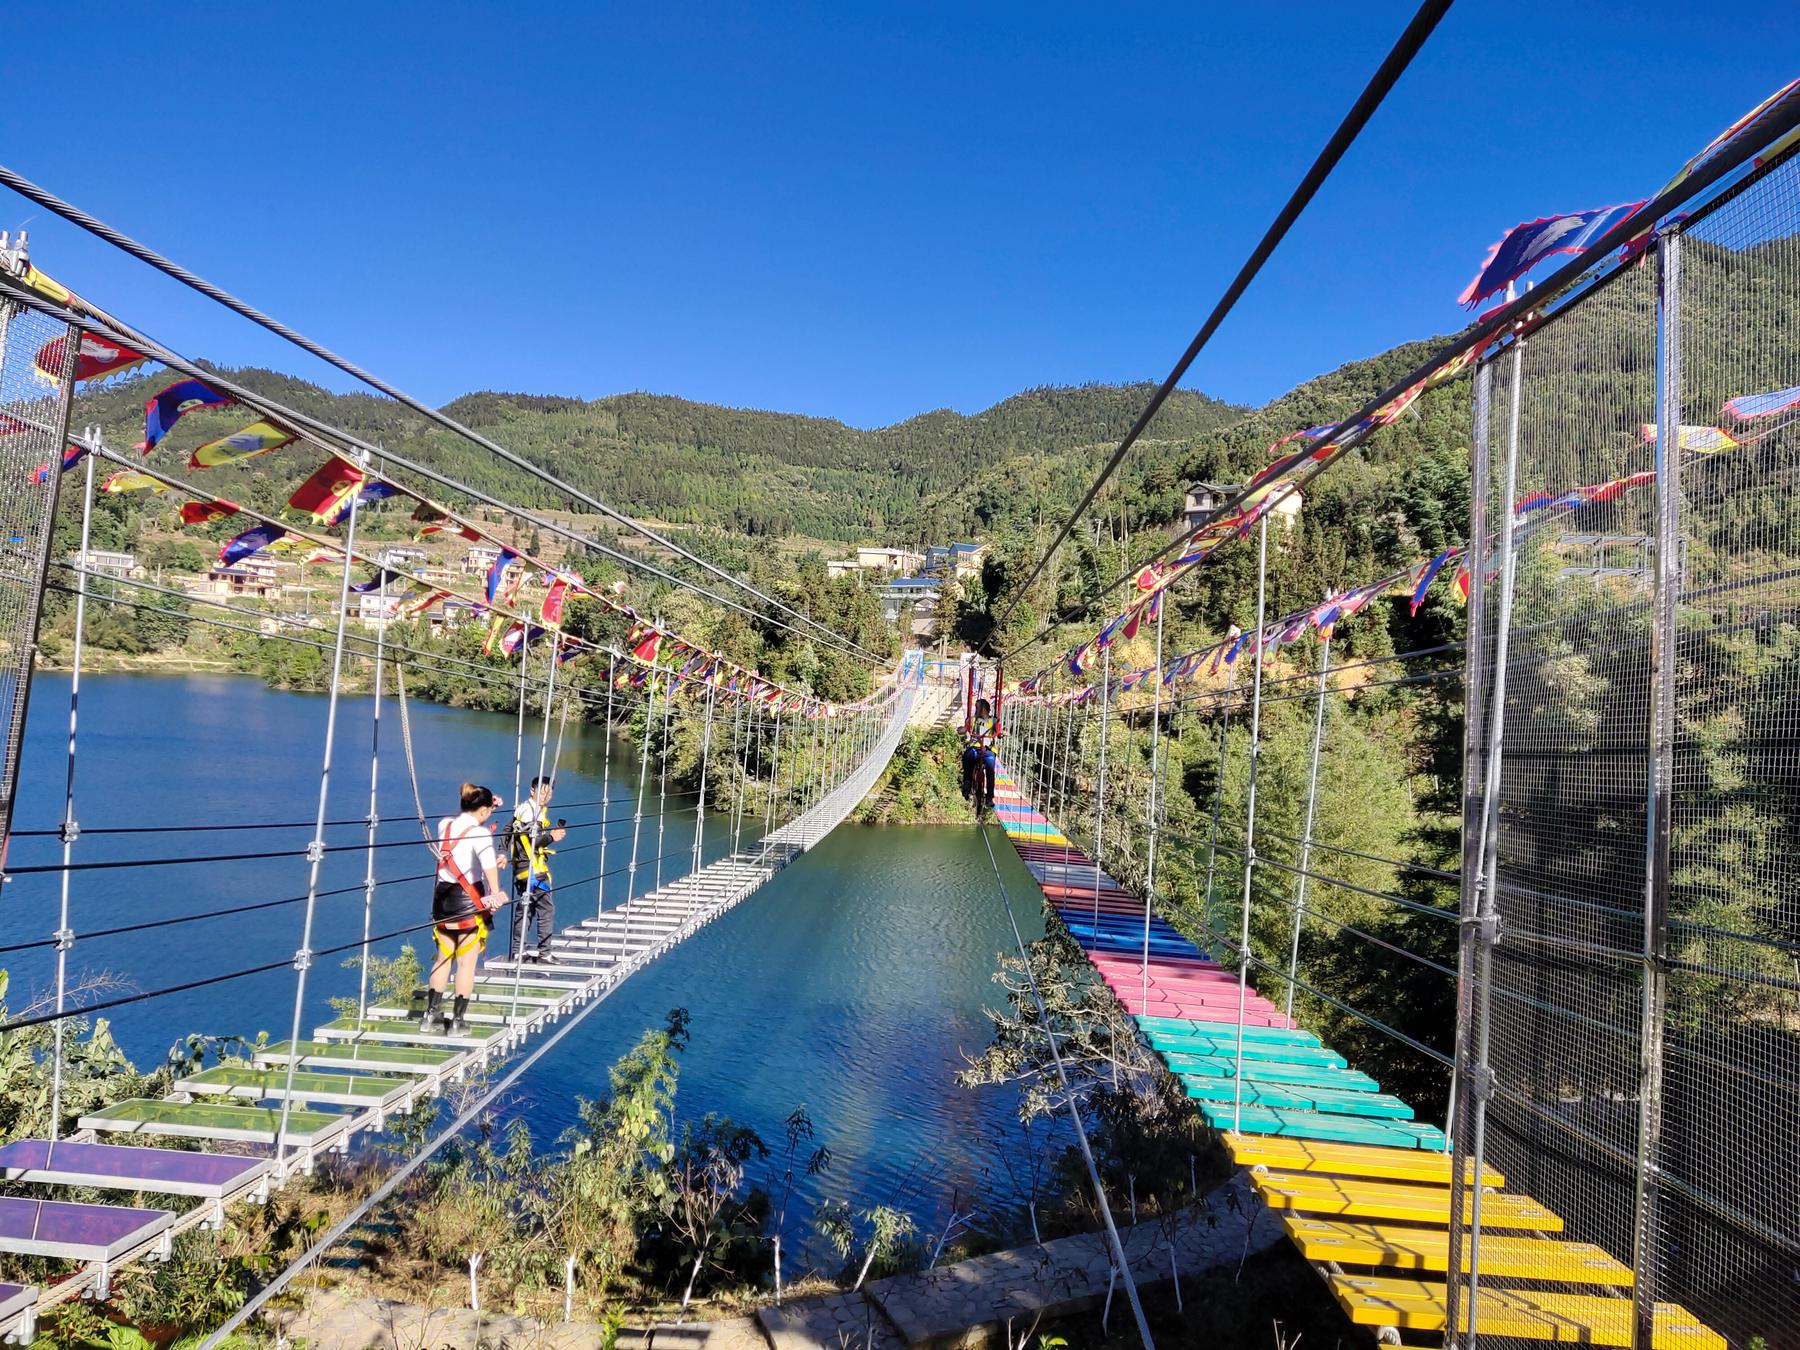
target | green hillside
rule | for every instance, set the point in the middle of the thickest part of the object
(675, 460)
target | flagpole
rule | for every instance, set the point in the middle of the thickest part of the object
(1243, 955)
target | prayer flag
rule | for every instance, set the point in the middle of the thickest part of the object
(97, 357)
(1461, 583)
(1747, 407)
(41, 474)
(167, 407)
(367, 496)
(1698, 440)
(204, 513)
(251, 541)
(1741, 128)
(259, 438)
(382, 576)
(1427, 575)
(553, 601)
(506, 559)
(129, 480)
(648, 644)
(435, 520)
(1325, 617)
(1525, 246)
(430, 598)
(1236, 647)
(329, 486)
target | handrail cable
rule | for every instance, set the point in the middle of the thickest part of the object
(143, 253)
(1499, 321)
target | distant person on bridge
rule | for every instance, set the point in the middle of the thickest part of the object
(979, 761)
(467, 892)
(534, 840)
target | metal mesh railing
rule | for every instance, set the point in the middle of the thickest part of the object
(1632, 958)
(33, 433)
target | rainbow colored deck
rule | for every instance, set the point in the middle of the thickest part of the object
(1361, 1186)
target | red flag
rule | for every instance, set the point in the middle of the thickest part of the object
(204, 513)
(332, 482)
(647, 646)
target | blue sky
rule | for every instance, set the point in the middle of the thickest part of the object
(854, 211)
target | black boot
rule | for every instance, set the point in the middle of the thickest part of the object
(432, 1023)
(459, 1026)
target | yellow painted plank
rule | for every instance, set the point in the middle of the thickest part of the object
(1400, 1248)
(1366, 1160)
(1529, 1314)
(1361, 1198)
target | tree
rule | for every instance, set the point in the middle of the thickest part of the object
(702, 1183)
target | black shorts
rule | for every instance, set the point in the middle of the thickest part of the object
(450, 901)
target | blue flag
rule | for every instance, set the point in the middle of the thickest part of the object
(163, 411)
(1523, 247)
(252, 541)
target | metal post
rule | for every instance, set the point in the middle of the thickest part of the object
(1480, 927)
(1150, 805)
(1306, 830)
(315, 852)
(1212, 849)
(1100, 792)
(605, 790)
(705, 762)
(1665, 639)
(526, 920)
(774, 783)
(637, 820)
(1262, 589)
(662, 777)
(65, 935)
(362, 972)
(15, 730)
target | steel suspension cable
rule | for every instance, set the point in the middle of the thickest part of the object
(1380, 84)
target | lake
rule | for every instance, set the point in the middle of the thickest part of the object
(853, 983)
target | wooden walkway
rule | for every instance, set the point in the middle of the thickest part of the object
(1362, 1188)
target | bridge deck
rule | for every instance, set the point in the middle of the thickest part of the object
(1363, 1190)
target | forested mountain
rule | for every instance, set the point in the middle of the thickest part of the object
(691, 463)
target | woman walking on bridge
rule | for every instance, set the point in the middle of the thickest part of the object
(467, 892)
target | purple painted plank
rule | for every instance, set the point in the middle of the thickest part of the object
(147, 1169)
(81, 1232)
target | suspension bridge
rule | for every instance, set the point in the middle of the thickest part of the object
(1611, 1159)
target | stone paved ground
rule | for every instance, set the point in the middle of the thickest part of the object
(841, 1321)
(970, 1303)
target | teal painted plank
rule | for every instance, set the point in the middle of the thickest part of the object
(1177, 1026)
(1318, 1125)
(1261, 1092)
(1284, 1054)
(1274, 1071)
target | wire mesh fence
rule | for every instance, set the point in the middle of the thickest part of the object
(1631, 1051)
(34, 415)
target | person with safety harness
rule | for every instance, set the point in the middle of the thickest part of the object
(534, 840)
(979, 760)
(467, 893)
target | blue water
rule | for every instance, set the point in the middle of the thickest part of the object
(853, 984)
